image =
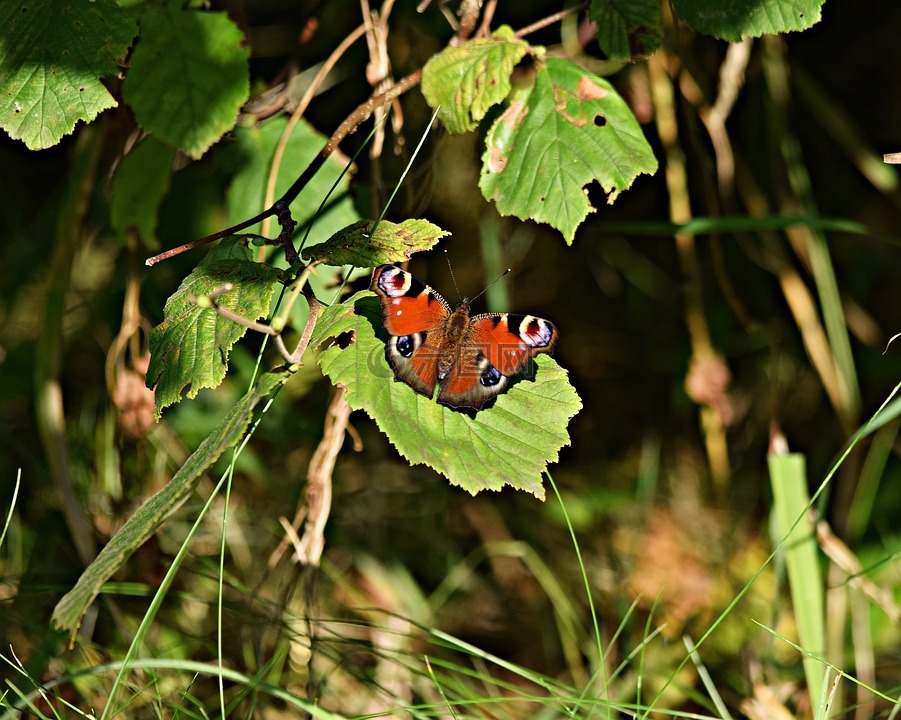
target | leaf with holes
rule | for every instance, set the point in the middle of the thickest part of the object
(391, 242)
(559, 133)
(627, 29)
(465, 81)
(52, 56)
(733, 19)
(509, 443)
(189, 76)
(190, 348)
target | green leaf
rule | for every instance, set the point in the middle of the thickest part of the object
(510, 443)
(466, 80)
(190, 347)
(391, 242)
(253, 151)
(154, 511)
(733, 19)
(188, 77)
(555, 137)
(52, 55)
(138, 188)
(627, 29)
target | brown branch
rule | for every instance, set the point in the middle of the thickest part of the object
(280, 208)
(302, 108)
(551, 19)
(487, 16)
(318, 493)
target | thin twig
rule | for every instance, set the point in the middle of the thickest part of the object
(318, 493)
(292, 358)
(487, 16)
(280, 208)
(300, 110)
(551, 19)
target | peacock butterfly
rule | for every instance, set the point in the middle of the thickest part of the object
(472, 358)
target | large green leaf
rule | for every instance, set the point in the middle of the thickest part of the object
(52, 55)
(190, 347)
(155, 510)
(557, 135)
(391, 242)
(188, 77)
(509, 443)
(138, 188)
(466, 80)
(733, 19)
(627, 29)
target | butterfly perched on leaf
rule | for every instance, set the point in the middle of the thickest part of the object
(471, 359)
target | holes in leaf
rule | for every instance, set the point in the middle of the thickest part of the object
(600, 120)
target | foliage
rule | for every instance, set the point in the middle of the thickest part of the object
(586, 133)
(331, 568)
(54, 54)
(461, 446)
(190, 347)
(370, 244)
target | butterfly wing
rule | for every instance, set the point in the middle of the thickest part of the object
(413, 314)
(496, 347)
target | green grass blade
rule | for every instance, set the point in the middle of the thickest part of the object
(788, 477)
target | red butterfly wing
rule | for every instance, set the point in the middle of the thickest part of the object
(509, 340)
(408, 304)
(496, 347)
(414, 316)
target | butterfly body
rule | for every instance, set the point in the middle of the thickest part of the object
(470, 358)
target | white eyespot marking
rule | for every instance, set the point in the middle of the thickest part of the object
(399, 313)
(394, 282)
(535, 331)
(396, 301)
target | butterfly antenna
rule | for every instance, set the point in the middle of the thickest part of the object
(447, 257)
(492, 284)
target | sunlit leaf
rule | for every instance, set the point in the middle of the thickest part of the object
(733, 19)
(190, 348)
(466, 80)
(153, 513)
(557, 135)
(52, 56)
(188, 77)
(509, 443)
(391, 242)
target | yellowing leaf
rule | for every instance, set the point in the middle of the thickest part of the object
(466, 80)
(391, 242)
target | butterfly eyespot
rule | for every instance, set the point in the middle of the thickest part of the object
(490, 376)
(406, 345)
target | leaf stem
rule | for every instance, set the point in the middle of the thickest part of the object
(292, 358)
